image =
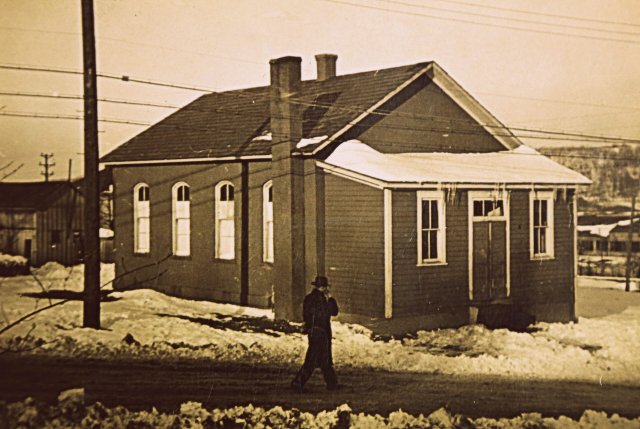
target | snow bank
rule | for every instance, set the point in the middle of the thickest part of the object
(11, 260)
(71, 411)
(147, 324)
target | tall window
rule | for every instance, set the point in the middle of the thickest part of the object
(181, 220)
(541, 229)
(141, 219)
(225, 224)
(431, 228)
(267, 222)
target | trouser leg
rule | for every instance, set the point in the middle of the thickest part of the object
(326, 365)
(310, 363)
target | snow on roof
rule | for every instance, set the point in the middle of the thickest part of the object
(310, 141)
(604, 230)
(106, 233)
(522, 165)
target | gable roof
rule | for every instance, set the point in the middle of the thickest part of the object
(226, 124)
(31, 195)
(521, 166)
(236, 124)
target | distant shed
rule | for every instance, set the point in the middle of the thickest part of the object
(42, 221)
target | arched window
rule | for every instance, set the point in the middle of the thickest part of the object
(267, 222)
(181, 219)
(225, 224)
(141, 219)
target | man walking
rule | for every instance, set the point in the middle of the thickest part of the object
(318, 307)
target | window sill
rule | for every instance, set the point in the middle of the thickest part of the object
(225, 261)
(542, 258)
(142, 254)
(183, 257)
(432, 264)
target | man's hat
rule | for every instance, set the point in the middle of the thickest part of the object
(320, 281)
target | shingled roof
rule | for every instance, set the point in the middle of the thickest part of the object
(225, 124)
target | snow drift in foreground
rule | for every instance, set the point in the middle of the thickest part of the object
(71, 411)
(147, 324)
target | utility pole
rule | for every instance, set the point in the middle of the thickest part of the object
(47, 164)
(91, 308)
(627, 282)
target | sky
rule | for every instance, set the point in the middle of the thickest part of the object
(561, 65)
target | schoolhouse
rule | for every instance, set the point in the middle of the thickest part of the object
(420, 207)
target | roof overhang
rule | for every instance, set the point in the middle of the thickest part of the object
(189, 160)
(383, 184)
(520, 168)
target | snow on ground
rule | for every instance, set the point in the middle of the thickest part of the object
(597, 349)
(71, 411)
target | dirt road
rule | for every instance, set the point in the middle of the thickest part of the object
(140, 385)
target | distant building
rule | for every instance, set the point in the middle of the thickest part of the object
(608, 236)
(42, 221)
(420, 206)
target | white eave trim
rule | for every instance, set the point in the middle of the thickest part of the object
(382, 184)
(388, 254)
(371, 109)
(190, 160)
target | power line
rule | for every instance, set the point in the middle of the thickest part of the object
(261, 96)
(511, 19)
(355, 109)
(128, 42)
(35, 115)
(71, 117)
(550, 15)
(548, 100)
(546, 134)
(80, 97)
(123, 78)
(485, 24)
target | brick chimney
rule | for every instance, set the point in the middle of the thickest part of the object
(326, 66)
(288, 189)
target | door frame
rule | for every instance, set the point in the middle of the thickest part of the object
(503, 195)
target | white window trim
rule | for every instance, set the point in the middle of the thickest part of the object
(487, 195)
(136, 216)
(174, 218)
(216, 241)
(265, 229)
(442, 227)
(550, 231)
(388, 253)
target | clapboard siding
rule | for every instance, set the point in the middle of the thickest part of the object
(354, 245)
(538, 283)
(199, 275)
(423, 290)
(65, 216)
(417, 126)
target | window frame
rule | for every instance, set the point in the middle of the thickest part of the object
(136, 217)
(549, 197)
(175, 219)
(437, 196)
(218, 219)
(268, 245)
